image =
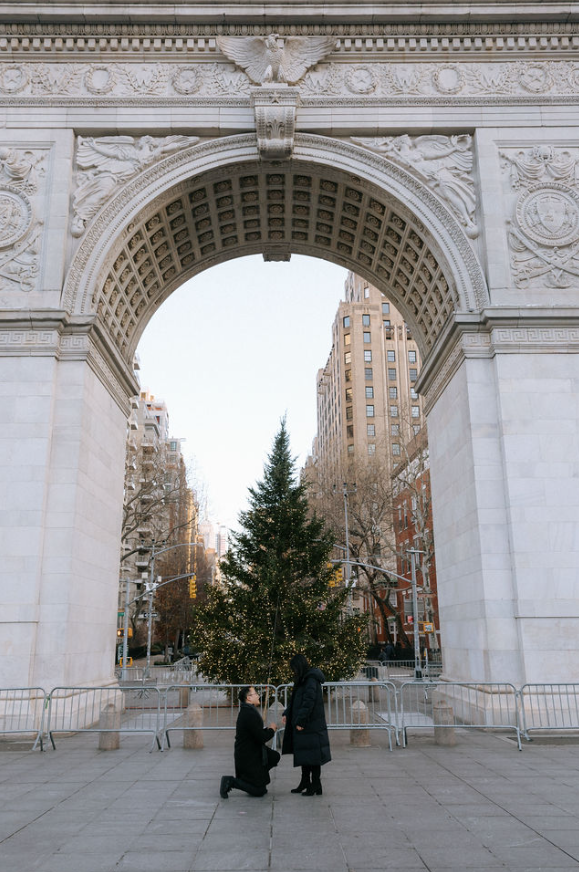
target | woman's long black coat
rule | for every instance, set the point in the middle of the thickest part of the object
(250, 754)
(310, 746)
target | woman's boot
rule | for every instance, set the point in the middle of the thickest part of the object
(305, 781)
(315, 788)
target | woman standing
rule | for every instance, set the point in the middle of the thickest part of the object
(306, 731)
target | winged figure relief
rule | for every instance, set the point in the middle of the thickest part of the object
(269, 59)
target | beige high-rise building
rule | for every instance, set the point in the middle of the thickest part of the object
(367, 402)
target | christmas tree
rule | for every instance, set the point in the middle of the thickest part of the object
(277, 598)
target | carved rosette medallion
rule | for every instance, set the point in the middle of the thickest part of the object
(15, 216)
(361, 80)
(549, 214)
(187, 80)
(100, 79)
(13, 79)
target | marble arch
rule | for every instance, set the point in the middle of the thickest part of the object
(435, 152)
(217, 201)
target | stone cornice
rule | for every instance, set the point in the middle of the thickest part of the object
(493, 331)
(55, 333)
(262, 11)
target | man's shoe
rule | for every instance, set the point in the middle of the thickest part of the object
(225, 786)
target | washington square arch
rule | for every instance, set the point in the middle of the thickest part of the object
(432, 148)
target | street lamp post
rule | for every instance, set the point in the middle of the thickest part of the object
(417, 664)
(348, 564)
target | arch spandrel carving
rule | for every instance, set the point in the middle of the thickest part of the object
(332, 200)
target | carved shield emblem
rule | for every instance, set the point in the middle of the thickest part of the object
(551, 211)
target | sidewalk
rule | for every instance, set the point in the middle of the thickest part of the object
(481, 805)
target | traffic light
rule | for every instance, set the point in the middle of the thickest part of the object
(337, 576)
(193, 587)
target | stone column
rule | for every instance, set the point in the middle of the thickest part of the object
(65, 406)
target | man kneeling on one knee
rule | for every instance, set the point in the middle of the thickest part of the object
(253, 759)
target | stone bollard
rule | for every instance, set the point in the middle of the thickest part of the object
(443, 718)
(184, 696)
(193, 719)
(359, 738)
(110, 719)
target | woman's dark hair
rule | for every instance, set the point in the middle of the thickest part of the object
(243, 693)
(299, 666)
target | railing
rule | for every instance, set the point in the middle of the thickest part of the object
(392, 705)
(467, 705)
(22, 711)
(84, 710)
(549, 707)
(218, 704)
(356, 705)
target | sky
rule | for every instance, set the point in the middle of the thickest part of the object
(231, 352)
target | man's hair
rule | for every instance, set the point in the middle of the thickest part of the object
(244, 692)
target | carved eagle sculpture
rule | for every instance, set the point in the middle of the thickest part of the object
(266, 59)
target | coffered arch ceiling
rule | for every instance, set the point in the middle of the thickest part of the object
(300, 206)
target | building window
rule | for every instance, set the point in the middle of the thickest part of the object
(393, 393)
(366, 293)
(366, 320)
(393, 411)
(391, 356)
(350, 449)
(371, 448)
(369, 393)
(368, 357)
(386, 323)
(415, 411)
(348, 395)
(348, 357)
(413, 394)
(411, 357)
(371, 429)
(368, 373)
(413, 374)
(391, 374)
(349, 413)
(416, 428)
(347, 338)
(396, 448)
(385, 308)
(346, 321)
(350, 431)
(369, 411)
(395, 429)
(348, 375)
(367, 337)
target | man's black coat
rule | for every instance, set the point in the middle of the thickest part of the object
(252, 759)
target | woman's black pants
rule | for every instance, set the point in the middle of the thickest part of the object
(311, 774)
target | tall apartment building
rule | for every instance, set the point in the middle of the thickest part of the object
(368, 409)
(366, 396)
(158, 502)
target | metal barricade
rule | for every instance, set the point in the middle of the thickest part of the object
(472, 705)
(218, 702)
(78, 709)
(378, 697)
(22, 712)
(549, 707)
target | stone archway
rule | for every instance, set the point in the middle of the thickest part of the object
(218, 200)
(479, 252)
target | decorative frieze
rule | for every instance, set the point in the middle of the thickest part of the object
(443, 163)
(543, 215)
(22, 179)
(106, 81)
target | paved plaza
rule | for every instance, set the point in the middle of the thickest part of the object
(481, 805)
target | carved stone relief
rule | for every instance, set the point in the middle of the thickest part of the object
(444, 163)
(543, 215)
(22, 174)
(268, 59)
(106, 162)
(492, 81)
